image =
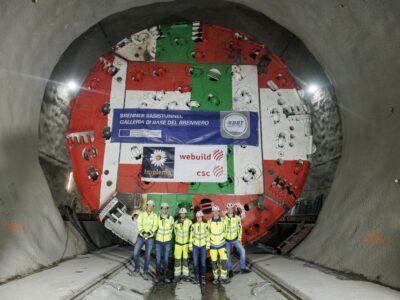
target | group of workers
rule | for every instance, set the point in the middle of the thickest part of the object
(218, 235)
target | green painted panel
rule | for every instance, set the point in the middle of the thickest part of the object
(175, 202)
(175, 44)
(227, 187)
(212, 86)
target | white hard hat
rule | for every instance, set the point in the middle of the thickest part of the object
(230, 205)
(215, 208)
(164, 204)
(183, 210)
(199, 214)
(150, 202)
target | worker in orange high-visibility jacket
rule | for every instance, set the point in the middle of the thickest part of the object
(233, 235)
(147, 226)
(181, 251)
(216, 244)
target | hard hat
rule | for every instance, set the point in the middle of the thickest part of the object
(164, 204)
(230, 205)
(215, 208)
(150, 202)
(199, 214)
(183, 210)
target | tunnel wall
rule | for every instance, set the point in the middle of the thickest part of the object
(356, 42)
(33, 37)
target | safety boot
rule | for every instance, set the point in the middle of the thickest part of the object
(230, 274)
(215, 281)
(245, 271)
(196, 279)
(225, 281)
(177, 279)
(203, 280)
(145, 276)
(158, 275)
(135, 273)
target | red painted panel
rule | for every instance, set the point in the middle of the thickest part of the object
(258, 214)
(155, 76)
(285, 182)
(261, 220)
(276, 71)
(86, 117)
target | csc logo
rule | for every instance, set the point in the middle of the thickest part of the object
(203, 173)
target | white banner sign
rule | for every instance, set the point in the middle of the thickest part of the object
(185, 164)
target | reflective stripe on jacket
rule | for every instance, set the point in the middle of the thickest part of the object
(182, 231)
(147, 223)
(198, 234)
(233, 228)
(165, 229)
(216, 233)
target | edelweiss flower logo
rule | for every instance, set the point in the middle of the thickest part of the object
(158, 158)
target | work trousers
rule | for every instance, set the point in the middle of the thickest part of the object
(162, 249)
(136, 253)
(199, 255)
(242, 253)
(181, 254)
(219, 262)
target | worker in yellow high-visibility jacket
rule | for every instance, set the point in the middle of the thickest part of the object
(197, 244)
(216, 244)
(163, 242)
(147, 226)
(181, 251)
(233, 230)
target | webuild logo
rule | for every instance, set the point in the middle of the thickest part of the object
(217, 154)
(197, 156)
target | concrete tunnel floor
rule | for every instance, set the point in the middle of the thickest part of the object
(105, 274)
(356, 42)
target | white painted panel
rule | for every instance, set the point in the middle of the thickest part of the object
(141, 46)
(131, 153)
(248, 170)
(112, 150)
(286, 125)
(157, 100)
(245, 88)
(247, 160)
